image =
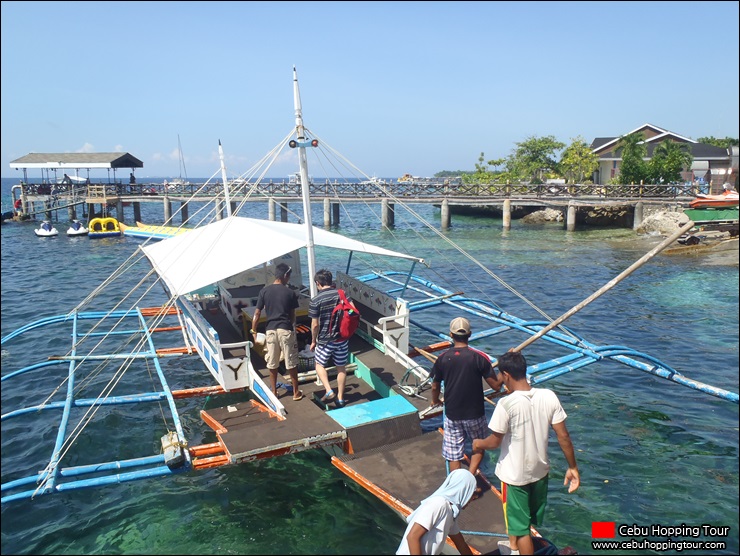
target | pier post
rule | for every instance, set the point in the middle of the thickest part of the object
(445, 218)
(327, 212)
(638, 216)
(71, 212)
(137, 212)
(506, 215)
(184, 212)
(271, 209)
(234, 206)
(47, 207)
(119, 210)
(570, 219)
(283, 212)
(387, 214)
(219, 209)
(335, 214)
(167, 211)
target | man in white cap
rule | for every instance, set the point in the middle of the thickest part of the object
(463, 370)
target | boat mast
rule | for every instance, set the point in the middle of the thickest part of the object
(223, 177)
(303, 164)
(182, 159)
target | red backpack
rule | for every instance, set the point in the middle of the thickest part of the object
(348, 315)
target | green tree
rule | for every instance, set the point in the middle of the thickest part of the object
(484, 173)
(633, 168)
(669, 160)
(578, 161)
(534, 157)
(724, 143)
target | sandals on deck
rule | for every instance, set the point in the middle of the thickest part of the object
(298, 396)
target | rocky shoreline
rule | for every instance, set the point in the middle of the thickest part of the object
(656, 220)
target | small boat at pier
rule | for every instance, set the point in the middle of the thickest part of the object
(103, 227)
(77, 228)
(46, 229)
(729, 198)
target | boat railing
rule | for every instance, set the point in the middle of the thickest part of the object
(383, 317)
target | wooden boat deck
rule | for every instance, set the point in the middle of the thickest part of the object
(380, 445)
(410, 470)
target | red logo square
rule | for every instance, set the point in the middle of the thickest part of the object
(602, 529)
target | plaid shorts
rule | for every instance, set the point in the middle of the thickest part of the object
(455, 432)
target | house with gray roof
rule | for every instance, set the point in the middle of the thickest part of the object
(712, 165)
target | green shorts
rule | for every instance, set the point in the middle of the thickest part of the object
(524, 506)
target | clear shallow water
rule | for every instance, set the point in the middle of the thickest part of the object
(650, 451)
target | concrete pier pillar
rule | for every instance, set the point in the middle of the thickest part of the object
(219, 209)
(137, 212)
(71, 212)
(119, 210)
(271, 209)
(638, 215)
(47, 207)
(184, 212)
(506, 225)
(387, 214)
(335, 214)
(445, 218)
(570, 219)
(283, 212)
(167, 211)
(327, 212)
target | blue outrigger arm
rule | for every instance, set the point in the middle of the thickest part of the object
(53, 478)
(583, 352)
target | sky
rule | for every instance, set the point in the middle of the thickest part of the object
(395, 87)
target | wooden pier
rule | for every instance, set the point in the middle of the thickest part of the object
(503, 199)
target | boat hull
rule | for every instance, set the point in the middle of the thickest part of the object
(715, 201)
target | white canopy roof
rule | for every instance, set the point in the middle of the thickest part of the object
(216, 251)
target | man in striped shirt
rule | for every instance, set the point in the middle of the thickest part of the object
(325, 339)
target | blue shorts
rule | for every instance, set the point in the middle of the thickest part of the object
(453, 441)
(338, 351)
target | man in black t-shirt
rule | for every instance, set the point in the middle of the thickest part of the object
(462, 369)
(280, 303)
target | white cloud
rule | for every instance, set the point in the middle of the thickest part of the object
(86, 148)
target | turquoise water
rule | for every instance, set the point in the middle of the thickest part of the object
(650, 451)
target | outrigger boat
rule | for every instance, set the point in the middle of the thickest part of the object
(212, 276)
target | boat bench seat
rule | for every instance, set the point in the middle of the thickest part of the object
(372, 317)
(373, 304)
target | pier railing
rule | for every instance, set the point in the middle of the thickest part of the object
(421, 190)
(425, 192)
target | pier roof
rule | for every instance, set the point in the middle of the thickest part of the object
(76, 160)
